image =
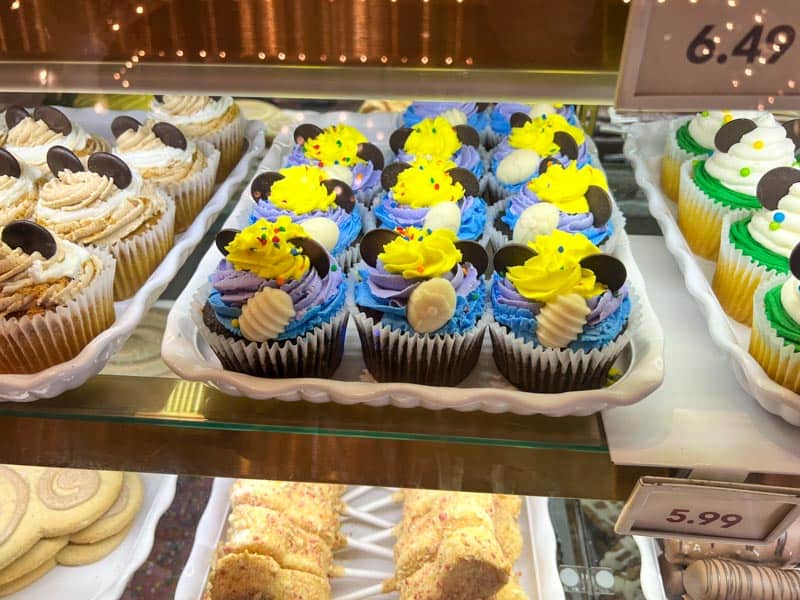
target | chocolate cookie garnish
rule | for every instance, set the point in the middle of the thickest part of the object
(546, 163)
(60, 159)
(262, 185)
(122, 124)
(305, 132)
(475, 254)
(567, 144)
(467, 135)
(599, 204)
(371, 153)
(793, 131)
(30, 237)
(317, 255)
(775, 184)
(112, 167)
(8, 164)
(54, 118)
(398, 138)
(518, 119)
(467, 180)
(732, 132)
(170, 135)
(225, 237)
(373, 242)
(390, 173)
(794, 261)
(14, 114)
(159, 98)
(511, 255)
(345, 198)
(609, 270)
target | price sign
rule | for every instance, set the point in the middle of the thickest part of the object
(706, 510)
(704, 54)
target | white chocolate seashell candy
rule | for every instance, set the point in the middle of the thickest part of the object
(561, 321)
(445, 215)
(266, 314)
(323, 231)
(518, 166)
(431, 305)
(539, 219)
(339, 172)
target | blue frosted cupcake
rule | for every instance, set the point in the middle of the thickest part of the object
(500, 117)
(343, 152)
(436, 139)
(431, 195)
(457, 113)
(420, 302)
(275, 305)
(561, 313)
(307, 195)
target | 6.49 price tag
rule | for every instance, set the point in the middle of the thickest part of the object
(694, 509)
(703, 54)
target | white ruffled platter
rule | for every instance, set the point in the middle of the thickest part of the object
(184, 350)
(644, 148)
(650, 576)
(91, 360)
(369, 518)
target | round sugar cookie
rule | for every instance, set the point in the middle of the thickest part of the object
(41, 552)
(75, 555)
(26, 580)
(118, 517)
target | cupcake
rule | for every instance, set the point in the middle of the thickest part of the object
(531, 145)
(725, 183)
(570, 199)
(431, 194)
(456, 113)
(757, 248)
(17, 190)
(420, 305)
(561, 313)
(343, 152)
(325, 207)
(436, 139)
(108, 206)
(185, 170)
(30, 136)
(693, 139)
(55, 297)
(216, 121)
(275, 306)
(500, 117)
(775, 340)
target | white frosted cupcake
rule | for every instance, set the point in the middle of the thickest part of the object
(17, 190)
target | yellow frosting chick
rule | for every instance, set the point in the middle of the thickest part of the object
(301, 190)
(263, 248)
(566, 187)
(427, 183)
(336, 145)
(538, 133)
(421, 253)
(432, 139)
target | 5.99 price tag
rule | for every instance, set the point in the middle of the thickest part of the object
(694, 509)
(703, 54)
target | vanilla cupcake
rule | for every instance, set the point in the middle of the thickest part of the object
(108, 206)
(17, 189)
(30, 136)
(55, 297)
(217, 121)
(182, 168)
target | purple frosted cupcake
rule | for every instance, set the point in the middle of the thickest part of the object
(500, 117)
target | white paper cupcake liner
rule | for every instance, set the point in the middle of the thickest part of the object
(781, 362)
(137, 257)
(230, 142)
(317, 354)
(352, 255)
(493, 138)
(192, 194)
(33, 343)
(674, 157)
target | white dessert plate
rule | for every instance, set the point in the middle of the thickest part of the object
(186, 353)
(91, 360)
(106, 579)
(644, 148)
(365, 568)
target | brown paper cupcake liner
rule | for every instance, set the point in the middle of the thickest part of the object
(780, 361)
(230, 142)
(193, 193)
(32, 343)
(317, 354)
(352, 255)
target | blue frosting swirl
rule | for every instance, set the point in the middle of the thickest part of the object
(391, 214)
(467, 157)
(417, 111)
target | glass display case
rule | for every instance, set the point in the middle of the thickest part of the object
(234, 304)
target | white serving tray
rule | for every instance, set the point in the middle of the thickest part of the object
(186, 353)
(536, 567)
(72, 373)
(106, 579)
(644, 148)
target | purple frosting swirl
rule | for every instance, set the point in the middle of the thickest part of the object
(396, 290)
(571, 223)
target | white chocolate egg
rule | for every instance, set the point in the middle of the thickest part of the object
(518, 166)
(445, 215)
(323, 231)
(266, 314)
(431, 305)
(537, 110)
(454, 116)
(541, 218)
(561, 321)
(339, 172)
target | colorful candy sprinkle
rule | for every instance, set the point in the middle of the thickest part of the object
(744, 171)
(758, 144)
